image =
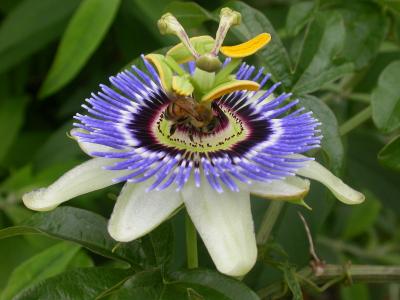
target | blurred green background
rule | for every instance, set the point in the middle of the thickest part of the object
(342, 58)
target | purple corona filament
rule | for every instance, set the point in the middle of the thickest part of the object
(254, 141)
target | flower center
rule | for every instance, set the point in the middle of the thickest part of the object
(222, 131)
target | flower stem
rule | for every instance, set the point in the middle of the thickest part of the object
(355, 121)
(191, 243)
(384, 253)
(333, 274)
(360, 97)
(268, 221)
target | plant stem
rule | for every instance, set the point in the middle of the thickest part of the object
(345, 87)
(334, 274)
(360, 97)
(362, 273)
(355, 121)
(269, 219)
(191, 243)
(385, 254)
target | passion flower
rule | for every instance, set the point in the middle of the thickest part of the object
(190, 130)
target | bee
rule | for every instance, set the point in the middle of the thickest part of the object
(195, 116)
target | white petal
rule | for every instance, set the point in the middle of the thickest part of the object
(85, 178)
(225, 224)
(342, 191)
(291, 188)
(137, 212)
(86, 147)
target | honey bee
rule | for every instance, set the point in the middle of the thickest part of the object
(196, 116)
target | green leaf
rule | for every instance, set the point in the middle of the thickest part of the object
(145, 285)
(8, 5)
(397, 29)
(17, 180)
(26, 178)
(45, 264)
(323, 42)
(138, 61)
(331, 142)
(362, 217)
(31, 26)
(385, 99)
(58, 148)
(81, 260)
(160, 242)
(189, 14)
(87, 283)
(308, 84)
(393, 5)
(274, 56)
(298, 16)
(389, 156)
(355, 291)
(289, 274)
(193, 295)
(83, 35)
(290, 233)
(83, 227)
(27, 139)
(365, 171)
(12, 111)
(366, 28)
(202, 284)
(13, 252)
(325, 38)
(148, 12)
(206, 282)
(17, 213)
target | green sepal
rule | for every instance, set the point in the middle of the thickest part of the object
(202, 44)
(300, 202)
(163, 70)
(181, 85)
(175, 66)
(224, 74)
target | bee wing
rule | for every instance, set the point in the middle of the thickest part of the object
(188, 106)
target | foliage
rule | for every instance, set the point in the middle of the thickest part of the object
(340, 58)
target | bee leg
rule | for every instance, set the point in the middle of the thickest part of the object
(212, 125)
(191, 135)
(172, 129)
(201, 136)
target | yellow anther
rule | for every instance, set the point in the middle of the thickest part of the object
(163, 70)
(230, 87)
(247, 48)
